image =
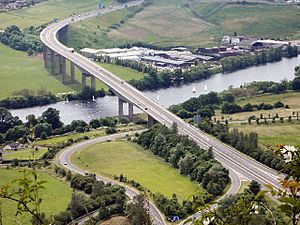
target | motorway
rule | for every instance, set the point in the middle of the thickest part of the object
(235, 161)
(64, 160)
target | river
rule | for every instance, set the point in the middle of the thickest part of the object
(108, 106)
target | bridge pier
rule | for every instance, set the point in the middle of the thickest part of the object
(93, 82)
(63, 69)
(83, 80)
(150, 121)
(130, 110)
(45, 56)
(60, 63)
(52, 62)
(72, 69)
(121, 109)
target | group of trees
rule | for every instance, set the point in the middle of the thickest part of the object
(26, 40)
(204, 105)
(245, 143)
(229, 108)
(248, 207)
(184, 154)
(28, 98)
(109, 199)
(232, 63)
(49, 123)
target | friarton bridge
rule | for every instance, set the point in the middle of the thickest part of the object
(55, 55)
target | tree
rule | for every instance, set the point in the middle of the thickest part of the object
(186, 164)
(138, 211)
(296, 84)
(52, 117)
(26, 195)
(42, 127)
(254, 187)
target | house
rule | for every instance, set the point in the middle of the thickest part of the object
(14, 146)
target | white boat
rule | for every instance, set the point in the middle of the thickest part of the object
(205, 88)
(194, 89)
(157, 98)
(93, 98)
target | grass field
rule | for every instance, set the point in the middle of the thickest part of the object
(55, 192)
(270, 134)
(124, 73)
(24, 154)
(135, 163)
(30, 73)
(44, 12)
(20, 71)
(273, 134)
(292, 99)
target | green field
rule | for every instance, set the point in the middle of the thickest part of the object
(274, 134)
(269, 134)
(292, 99)
(24, 154)
(30, 73)
(135, 163)
(44, 12)
(20, 71)
(55, 192)
(124, 73)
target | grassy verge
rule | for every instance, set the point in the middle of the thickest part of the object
(24, 154)
(131, 160)
(55, 192)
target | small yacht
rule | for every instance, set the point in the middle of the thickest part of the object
(194, 89)
(157, 98)
(205, 88)
(93, 98)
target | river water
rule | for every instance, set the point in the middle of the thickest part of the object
(108, 106)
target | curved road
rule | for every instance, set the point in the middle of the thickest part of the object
(64, 160)
(235, 161)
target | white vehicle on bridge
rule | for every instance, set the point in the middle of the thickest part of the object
(71, 50)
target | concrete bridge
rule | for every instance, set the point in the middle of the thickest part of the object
(55, 57)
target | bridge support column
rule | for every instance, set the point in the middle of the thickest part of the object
(93, 82)
(52, 62)
(45, 56)
(150, 121)
(130, 110)
(72, 68)
(60, 63)
(121, 109)
(83, 81)
(63, 69)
